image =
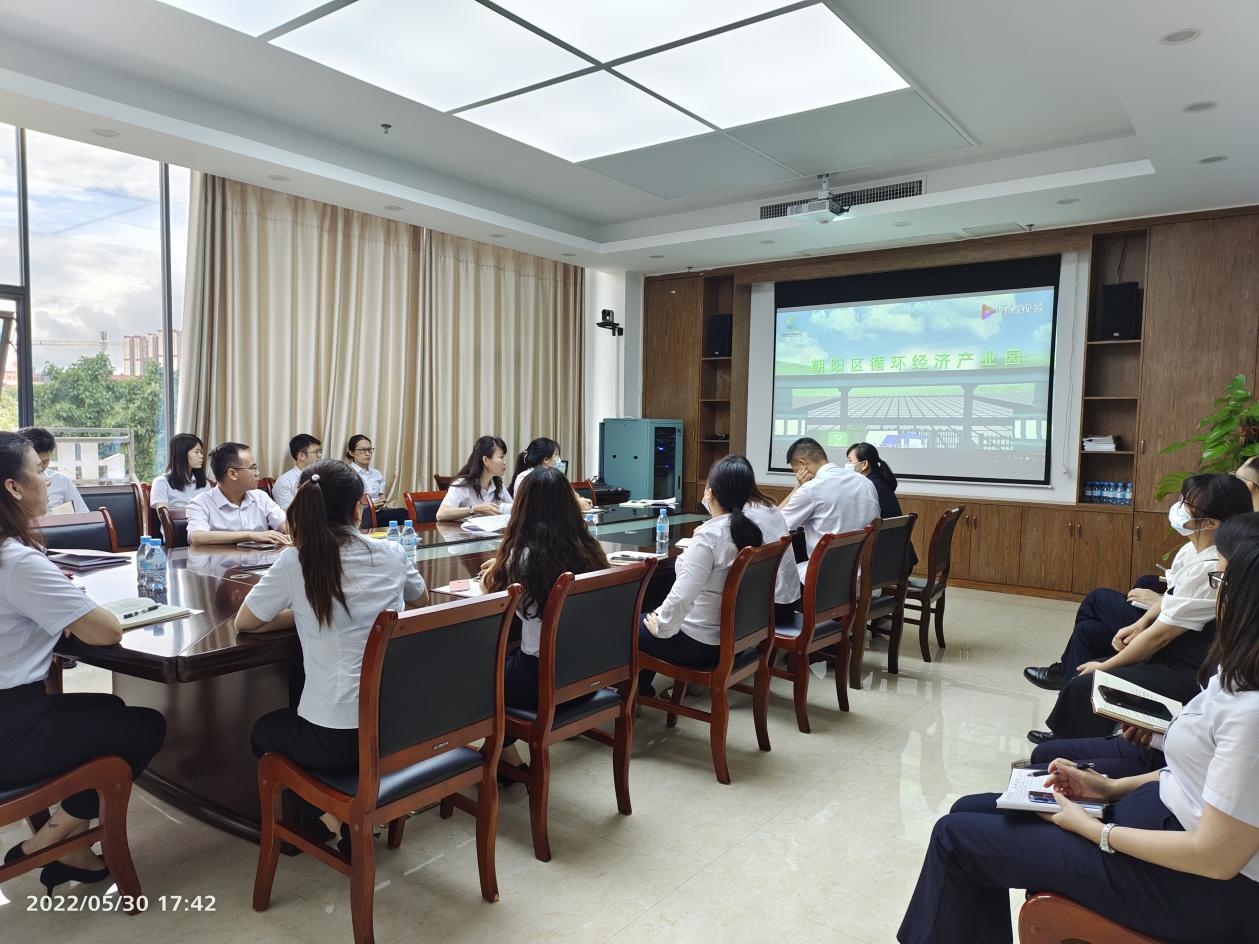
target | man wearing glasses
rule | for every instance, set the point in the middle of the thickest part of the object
(305, 449)
(237, 510)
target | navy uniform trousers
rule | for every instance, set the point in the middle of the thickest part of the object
(978, 853)
(1101, 614)
(1112, 756)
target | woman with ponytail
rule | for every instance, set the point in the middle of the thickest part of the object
(331, 585)
(539, 454)
(686, 628)
(864, 459)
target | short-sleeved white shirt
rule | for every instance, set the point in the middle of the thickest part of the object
(61, 489)
(375, 576)
(211, 511)
(832, 502)
(1212, 751)
(36, 603)
(161, 493)
(464, 495)
(1190, 601)
(285, 487)
(774, 526)
(373, 481)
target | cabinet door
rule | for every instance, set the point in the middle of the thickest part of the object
(1198, 331)
(1154, 543)
(994, 548)
(673, 312)
(1103, 552)
(1048, 543)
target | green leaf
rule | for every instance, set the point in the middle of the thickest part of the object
(1170, 484)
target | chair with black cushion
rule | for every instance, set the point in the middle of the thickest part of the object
(431, 683)
(125, 504)
(1052, 919)
(890, 565)
(368, 520)
(747, 636)
(836, 595)
(110, 777)
(422, 506)
(93, 531)
(587, 677)
(926, 594)
(174, 523)
(443, 481)
(152, 526)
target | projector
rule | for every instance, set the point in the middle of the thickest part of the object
(823, 209)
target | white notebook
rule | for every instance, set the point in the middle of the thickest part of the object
(1121, 700)
(141, 611)
(1027, 792)
(490, 524)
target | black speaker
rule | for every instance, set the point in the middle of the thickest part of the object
(717, 329)
(1120, 317)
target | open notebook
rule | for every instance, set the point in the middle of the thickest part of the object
(1121, 700)
(141, 611)
(1027, 792)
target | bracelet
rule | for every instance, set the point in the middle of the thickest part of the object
(1103, 841)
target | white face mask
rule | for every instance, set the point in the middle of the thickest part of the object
(849, 467)
(704, 501)
(1178, 517)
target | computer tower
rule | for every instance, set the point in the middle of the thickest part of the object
(644, 457)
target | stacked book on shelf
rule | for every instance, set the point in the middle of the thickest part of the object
(1101, 443)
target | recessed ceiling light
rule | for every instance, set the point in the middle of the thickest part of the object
(105, 132)
(767, 242)
(246, 16)
(568, 254)
(420, 50)
(587, 117)
(392, 207)
(1179, 36)
(901, 223)
(1067, 201)
(758, 71)
(656, 257)
(1195, 107)
(279, 177)
(1214, 159)
(498, 235)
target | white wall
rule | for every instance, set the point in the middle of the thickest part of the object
(613, 365)
(1068, 372)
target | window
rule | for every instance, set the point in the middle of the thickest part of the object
(180, 195)
(10, 244)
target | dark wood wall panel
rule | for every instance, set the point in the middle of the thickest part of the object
(672, 327)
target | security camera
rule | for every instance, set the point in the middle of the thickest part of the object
(607, 319)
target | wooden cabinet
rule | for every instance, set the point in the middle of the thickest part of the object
(1102, 551)
(1048, 548)
(995, 536)
(1154, 543)
(673, 319)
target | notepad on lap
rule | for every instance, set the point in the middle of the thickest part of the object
(490, 524)
(141, 611)
(1027, 792)
(82, 559)
(1121, 700)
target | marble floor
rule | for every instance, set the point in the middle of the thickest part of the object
(819, 840)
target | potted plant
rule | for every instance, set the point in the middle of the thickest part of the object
(1228, 437)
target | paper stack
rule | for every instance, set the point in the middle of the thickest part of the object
(1101, 443)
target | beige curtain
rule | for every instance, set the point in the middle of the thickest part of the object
(304, 317)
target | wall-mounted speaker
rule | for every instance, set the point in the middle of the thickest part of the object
(717, 332)
(1120, 317)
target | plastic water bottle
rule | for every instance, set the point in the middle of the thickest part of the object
(392, 535)
(144, 563)
(157, 566)
(1127, 493)
(662, 531)
(592, 522)
(409, 540)
(1113, 498)
(1090, 492)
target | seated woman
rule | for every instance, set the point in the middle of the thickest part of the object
(42, 735)
(478, 487)
(546, 537)
(359, 452)
(184, 478)
(1177, 858)
(539, 453)
(1163, 649)
(864, 458)
(686, 628)
(769, 518)
(332, 584)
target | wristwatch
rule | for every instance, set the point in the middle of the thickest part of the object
(1103, 841)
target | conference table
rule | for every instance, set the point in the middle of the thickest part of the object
(212, 684)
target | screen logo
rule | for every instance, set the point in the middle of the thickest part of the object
(1029, 308)
(986, 312)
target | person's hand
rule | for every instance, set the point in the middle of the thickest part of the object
(485, 508)
(1066, 779)
(1071, 817)
(804, 475)
(378, 503)
(1134, 735)
(652, 622)
(275, 537)
(1088, 668)
(584, 503)
(1144, 597)
(1124, 637)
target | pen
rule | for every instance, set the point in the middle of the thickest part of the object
(1083, 765)
(133, 615)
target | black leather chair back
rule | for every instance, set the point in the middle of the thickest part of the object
(88, 536)
(596, 631)
(123, 503)
(752, 604)
(426, 511)
(942, 545)
(835, 571)
(889, 562)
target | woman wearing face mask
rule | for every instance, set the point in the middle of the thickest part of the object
(1163, 648)
(539, 454)
(864, 459)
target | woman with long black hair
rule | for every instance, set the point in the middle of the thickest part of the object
(331, 585)
(43, 735)
(540, 453)
(184, 478)
(478, 487)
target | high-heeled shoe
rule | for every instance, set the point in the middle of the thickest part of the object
(58, 873)
(14, 853)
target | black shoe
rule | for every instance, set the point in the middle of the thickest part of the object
(1049, 677)
(1040, 737)
(58, 873)
(14, 853)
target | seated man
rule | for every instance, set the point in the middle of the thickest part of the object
(237, 510)
(828, 499)
(305, 449)
(61, 487)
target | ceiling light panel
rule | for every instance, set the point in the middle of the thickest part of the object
(608, 31)
(585, 117)
(254, 17)
(787, 64)
(441, 53)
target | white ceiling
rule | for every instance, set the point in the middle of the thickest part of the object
(1012, 108)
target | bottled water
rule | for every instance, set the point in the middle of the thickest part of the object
(1090, 491)
(1127, 493)
(157, 567)
(144, 559)
(592, 522)
(662, 531)
(409, 540)
(392, 535)
(1109, 494)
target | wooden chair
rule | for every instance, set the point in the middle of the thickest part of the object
(747, 636)
(266, 485)
(889, 571)
(93, 530)
(586, 490)
(443, 481)
(422, 506)
(174, 523)
(1052, 919)
(836, 596)
(431, 682)
(926, 594)
(368, 519)
(125, 504)
(110, 777)
(589, 637)
(152, 526)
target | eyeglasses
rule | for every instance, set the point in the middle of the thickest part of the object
(246, 468)
(365, 449)
(314, 453)
(1215, 579)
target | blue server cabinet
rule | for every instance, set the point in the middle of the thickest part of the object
(642, 456)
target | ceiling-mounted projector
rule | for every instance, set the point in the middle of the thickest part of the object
(823, 208)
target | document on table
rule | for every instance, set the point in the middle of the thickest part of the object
(472, 589)
(490, 524)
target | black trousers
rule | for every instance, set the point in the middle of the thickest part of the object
(1101, 614)
(520, 684)
(1112, 755)
(308, 745)
(977, 853)
(679, 648)
(44, 735)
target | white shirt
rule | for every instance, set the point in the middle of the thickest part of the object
(36, 603)
(515, 486)
(285, 487)
(61, 489)
(774, 526)
(461, 495)
(1189, 601)
(161, 493)
(211, 511)
(1212, 751)
(373, 481)
(832, 502)
(375, 576)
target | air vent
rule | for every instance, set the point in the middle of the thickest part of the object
(875, 193)
(995, 229)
